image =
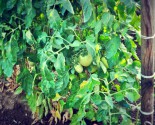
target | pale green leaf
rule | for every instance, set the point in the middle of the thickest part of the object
(109, 100)
(112, 46)
(87, 9)
(68, 6)
(98, 26)
(76, 43)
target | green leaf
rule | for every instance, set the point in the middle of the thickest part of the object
(11, 48)
(131, 8)
(68, 6)
(114, 60)
(39, 99)
(96, 99)
(2, 6)
(18, 90)
(108, 99)
(32, 99)
(56, 43)
(41, 111)
(132, 95)
(45, 106)
(28, 37)
(119, 97)
(101, 115)
(112, 46)
(26, 80)
(98, 26)
(29, 17)
(103, 67)
(62, 82)
(83, 122)
(76, 43)
(10, 4)
(48, 88)
(90, 45)
(86, 99)
(87, 9)
(53, 18)
(48, 74)
(7, 67)
(106, 18)
(60, 63)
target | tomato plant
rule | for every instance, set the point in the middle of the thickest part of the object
(45, 37)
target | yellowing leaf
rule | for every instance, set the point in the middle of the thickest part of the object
(57, 97)
(97, 48)
(83, 84)
(51, 14)
(57, 114)
(116, 76)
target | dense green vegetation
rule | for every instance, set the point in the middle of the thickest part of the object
(73, 55)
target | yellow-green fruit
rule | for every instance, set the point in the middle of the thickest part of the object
(85, 60)
(78, 68)
(105, 62)
(42, 16)
(93, 68)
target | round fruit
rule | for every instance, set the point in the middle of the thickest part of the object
(78, 68)
(85, 60)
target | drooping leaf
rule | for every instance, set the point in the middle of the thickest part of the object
(87, 9)
(26, 80)
(32, 99)
(31, 13)
(68, 6)
(98, 26)
(90, 45)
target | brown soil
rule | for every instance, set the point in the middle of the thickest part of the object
(16, 116)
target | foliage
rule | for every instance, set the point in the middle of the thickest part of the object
(46, 38)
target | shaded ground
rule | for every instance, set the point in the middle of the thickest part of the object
(16, 116)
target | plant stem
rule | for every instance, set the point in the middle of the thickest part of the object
(95, 19)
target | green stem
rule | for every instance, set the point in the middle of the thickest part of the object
(95, 18)
(109, 117)
(2, 46)
(137, 114)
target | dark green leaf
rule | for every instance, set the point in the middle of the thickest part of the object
(10, 4)
(26, 80)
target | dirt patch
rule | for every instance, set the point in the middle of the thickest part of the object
(16, 116)
(13, 110)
